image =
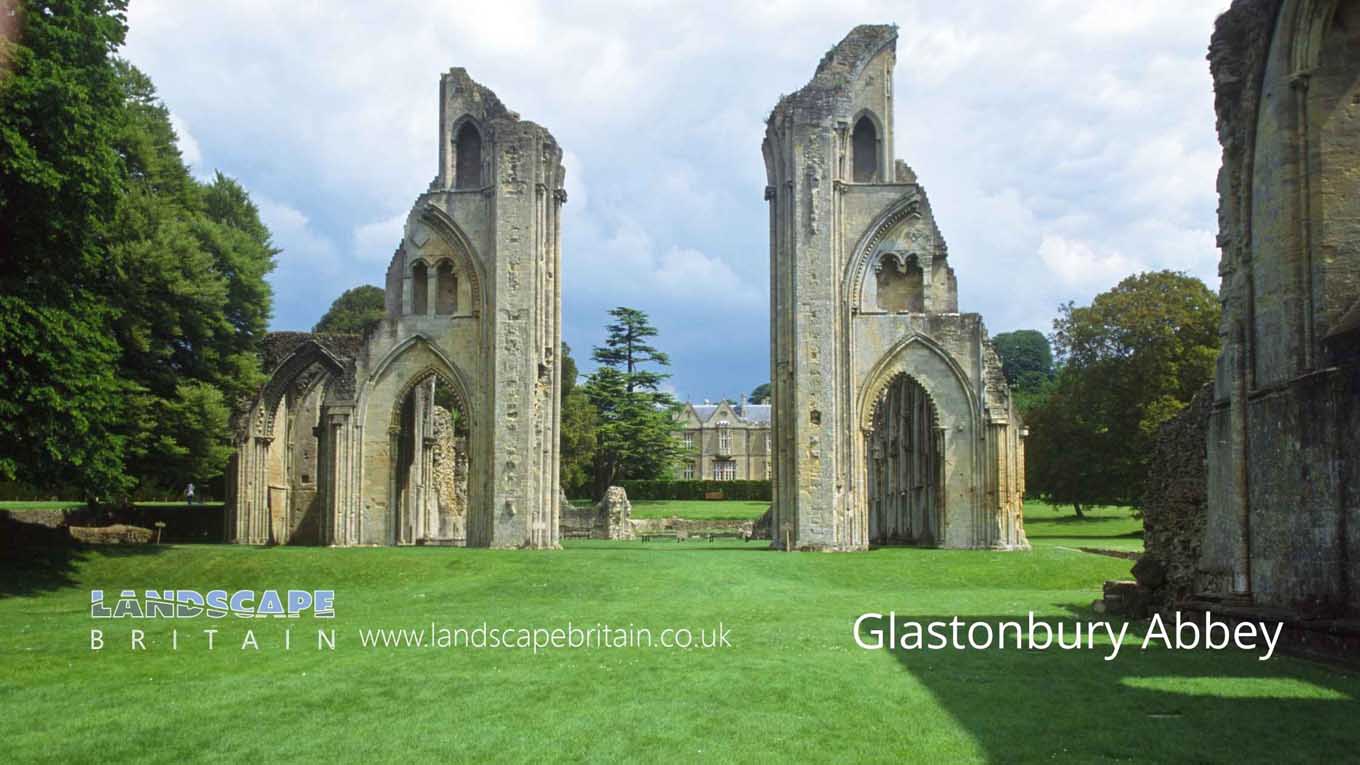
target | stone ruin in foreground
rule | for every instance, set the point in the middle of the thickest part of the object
(1254, 506)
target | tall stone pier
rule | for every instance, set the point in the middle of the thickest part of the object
(893, 423)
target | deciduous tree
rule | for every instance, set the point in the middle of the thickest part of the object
(354, 311)
(1130, 361)
(577, 430)
(61, 400)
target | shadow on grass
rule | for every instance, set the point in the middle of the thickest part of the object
(36, 559)
(1155, 705)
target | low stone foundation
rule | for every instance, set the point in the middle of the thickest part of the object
(193, 523)
(608, 519)
(687, 528)
(611, 518)
(117, 534)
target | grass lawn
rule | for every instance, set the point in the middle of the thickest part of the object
(699, 509)
(1105, 528)
(792, 685)
(39, 505)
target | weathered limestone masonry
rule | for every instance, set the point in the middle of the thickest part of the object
(440, 425)
(1174, 502)
(1283, 511)
(892, 421)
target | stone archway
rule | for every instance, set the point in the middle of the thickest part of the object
(904, 459)
(294, 459)
(430, 461)
(916, 408)
(278, 485)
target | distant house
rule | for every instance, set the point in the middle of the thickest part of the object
(725, 441)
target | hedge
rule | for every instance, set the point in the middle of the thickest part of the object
(754, 491)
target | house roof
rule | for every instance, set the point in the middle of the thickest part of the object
(752, 414)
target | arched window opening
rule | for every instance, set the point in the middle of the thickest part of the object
(906, 468)
(446, 290)
(864, 150)
(467, 173)
(901, 286)
(420, 289)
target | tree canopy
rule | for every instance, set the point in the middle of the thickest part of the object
(627, 349)
(577, 430)
(761, 394)
(354, 311)
(1131, 360)
(134, 297)
(1026, 358)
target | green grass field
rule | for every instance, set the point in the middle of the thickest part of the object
(793, 684)
(698, 509)
(1103, 528)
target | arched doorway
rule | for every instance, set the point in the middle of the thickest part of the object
(293, 461)
(430, 458)
(904, 455)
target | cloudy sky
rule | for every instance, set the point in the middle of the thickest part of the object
(1064, 143)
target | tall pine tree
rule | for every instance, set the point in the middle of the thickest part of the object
(635, 419)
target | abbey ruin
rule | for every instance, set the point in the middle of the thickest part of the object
(439, 426)
(1283, 510)
(892, 420)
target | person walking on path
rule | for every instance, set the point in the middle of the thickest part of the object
(189, 494)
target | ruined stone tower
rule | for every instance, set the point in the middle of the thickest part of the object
(439, 426)
(893, 423)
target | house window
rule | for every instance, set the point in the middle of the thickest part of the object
(724, 438)
(689, 471)
(724, 470)
(689, 441)
(767, 442)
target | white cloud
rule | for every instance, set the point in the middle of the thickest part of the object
(1063, 142)
(374, 242)
(302, 246)
(1079, 264)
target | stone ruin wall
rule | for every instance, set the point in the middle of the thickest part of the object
(612, 518)
(1174, 505)
(450, 477)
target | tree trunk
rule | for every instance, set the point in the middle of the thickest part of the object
(1077, 506)
(603, 478)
